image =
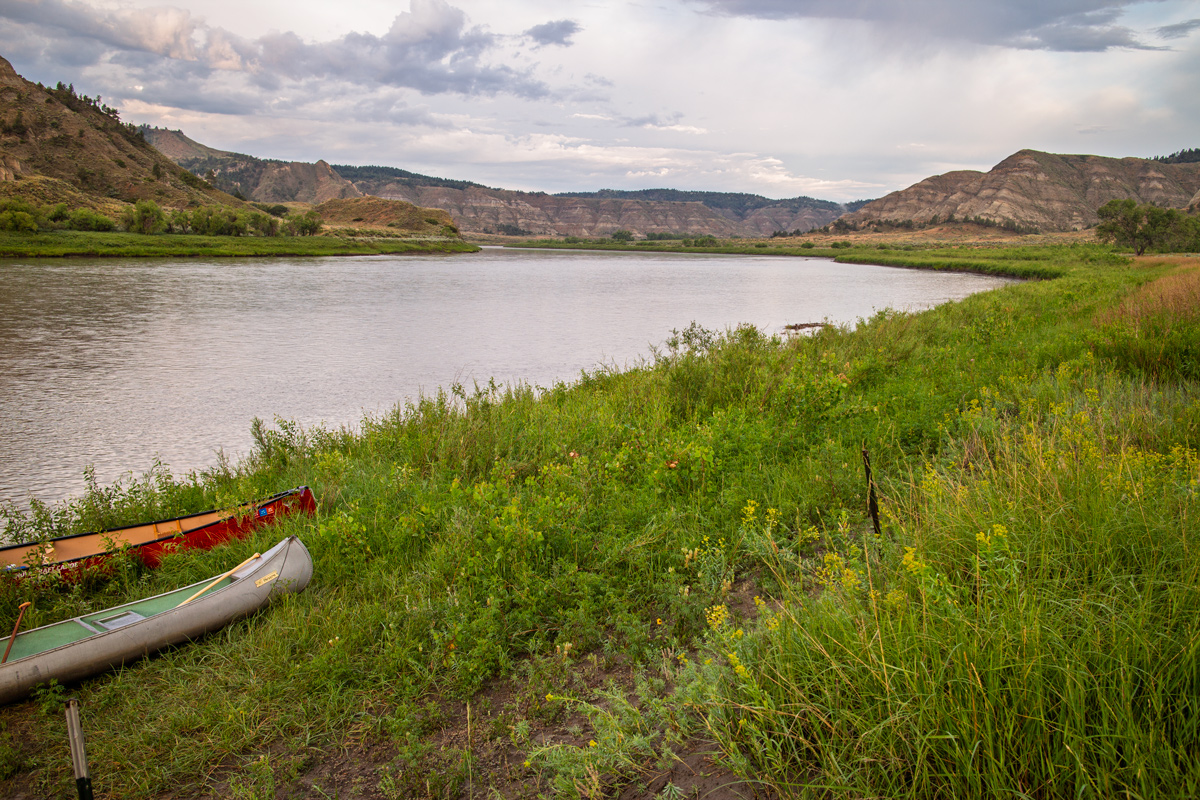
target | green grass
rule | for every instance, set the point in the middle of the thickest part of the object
(133, 245)
(1027, 625)
(1019, 262)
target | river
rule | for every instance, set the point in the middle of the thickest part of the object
(115, 362)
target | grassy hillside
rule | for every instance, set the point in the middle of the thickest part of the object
(562, 594)
(375, 214)
(82, 145)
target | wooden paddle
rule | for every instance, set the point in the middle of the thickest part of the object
(220, 578)
(20, 613)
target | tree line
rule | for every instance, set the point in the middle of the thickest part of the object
(147, 217)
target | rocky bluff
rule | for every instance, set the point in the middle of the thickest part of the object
(1031, 189)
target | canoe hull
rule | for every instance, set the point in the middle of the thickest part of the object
(152, 541)
(285, 568)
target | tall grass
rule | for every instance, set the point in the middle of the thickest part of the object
(1156, 330)
(1029, 625)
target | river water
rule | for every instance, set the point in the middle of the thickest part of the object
(112, 363)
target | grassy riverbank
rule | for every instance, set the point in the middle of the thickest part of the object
(992, 258)
(134, 245)
(594, 587)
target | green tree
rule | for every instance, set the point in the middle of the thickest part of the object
(1140, 227)
(145, 217)
(85, 219)
(622, 236)
(180, 221)
(307, 224)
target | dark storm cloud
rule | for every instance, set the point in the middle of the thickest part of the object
(1178, 30)
(429, 48)
(557, 32)
(1066, 25)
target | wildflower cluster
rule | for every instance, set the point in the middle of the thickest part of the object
(769, 619)
(838, 572)
(716, 616)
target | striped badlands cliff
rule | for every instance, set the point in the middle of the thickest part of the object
(1035, 190)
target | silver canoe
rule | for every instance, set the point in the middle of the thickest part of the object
(77, 648)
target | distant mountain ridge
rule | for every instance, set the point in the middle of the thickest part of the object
(371, 176)
(1028, 191)
(762, 213)
(481, 209)
(1032, 190)
(738, 202)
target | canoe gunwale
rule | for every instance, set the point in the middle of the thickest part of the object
(247, 515)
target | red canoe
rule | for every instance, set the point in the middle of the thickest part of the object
(153, 540)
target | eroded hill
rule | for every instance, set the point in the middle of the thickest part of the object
(258, 179)
(1034, 190)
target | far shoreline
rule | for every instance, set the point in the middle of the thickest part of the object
(69, 244)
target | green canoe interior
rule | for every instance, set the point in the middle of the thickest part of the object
(39, 640)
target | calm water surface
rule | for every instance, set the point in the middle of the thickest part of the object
(112, 363)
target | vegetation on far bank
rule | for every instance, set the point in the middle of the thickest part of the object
(988, 258)
(133, 245)
(145, 229)
(491, 560)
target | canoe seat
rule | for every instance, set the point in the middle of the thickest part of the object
(170, 526)
(119, 620)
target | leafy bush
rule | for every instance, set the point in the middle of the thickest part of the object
(21, 221)
(85, 219)
(18, 214)
(307, 224)
(144, 217)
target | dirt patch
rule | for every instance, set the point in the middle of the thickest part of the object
(696, 774)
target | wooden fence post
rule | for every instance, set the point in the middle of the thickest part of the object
(872, 499)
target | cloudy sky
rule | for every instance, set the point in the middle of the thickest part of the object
(836, 99)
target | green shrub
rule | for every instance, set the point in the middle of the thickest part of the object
(20, 221)
(85, 219)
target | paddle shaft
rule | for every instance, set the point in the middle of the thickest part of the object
(83, 779)
(220, 578)
(20, 613)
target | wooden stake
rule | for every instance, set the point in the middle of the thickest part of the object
(872, 500)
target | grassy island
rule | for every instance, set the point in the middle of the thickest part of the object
(666, 578)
